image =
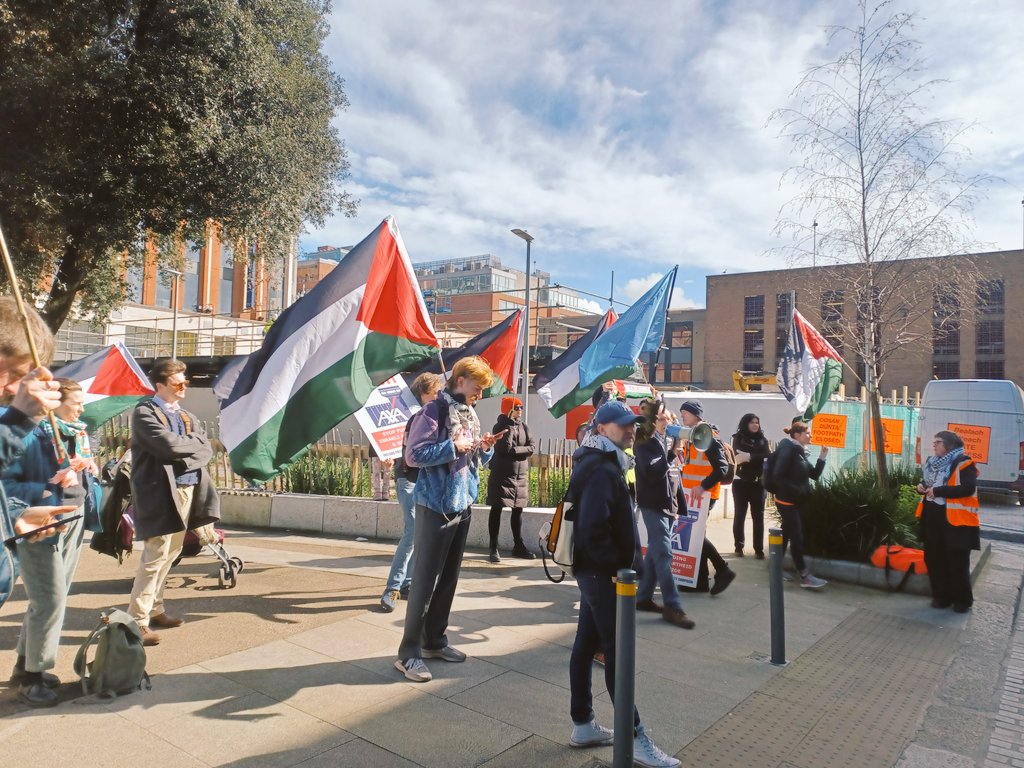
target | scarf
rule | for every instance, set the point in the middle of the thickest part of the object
(937, 470)
(70, 429)
(602, 443)
(461, 418)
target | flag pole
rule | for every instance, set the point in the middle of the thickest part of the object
(36, 363)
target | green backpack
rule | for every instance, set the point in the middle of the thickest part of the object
(119, 665)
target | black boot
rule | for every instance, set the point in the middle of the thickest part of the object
(520, 551)
(19, 675)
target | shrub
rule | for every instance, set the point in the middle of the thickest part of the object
(328, 476)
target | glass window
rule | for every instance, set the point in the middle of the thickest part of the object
(991, 297)
(946, 303)
(190, 279)
(134, 291)
(753, 344)
(227, 279)
(946, 340)
(989, 369)
(681, 336)
(832, 306)
(946, 369)
(783, 309)
(680, 373)
(990, 339)
(753, 310)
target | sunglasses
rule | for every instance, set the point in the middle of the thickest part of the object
(180, 384)
(517, 407)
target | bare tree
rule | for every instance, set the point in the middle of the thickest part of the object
(881, 190)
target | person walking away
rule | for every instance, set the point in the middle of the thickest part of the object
(606, 540)
(446, 443)
(380, 473)
(508, 483)
(751, 449)
(424, 388)
(950, 525)
(703, 472)
(171, 490)
(792, 474)
(659, 496)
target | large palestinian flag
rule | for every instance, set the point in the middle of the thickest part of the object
(325, 354)
(502, 348)
(810, 369)
(112, 381)
(558, 383)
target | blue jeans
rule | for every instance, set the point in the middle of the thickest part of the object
(658, 560)
(402, 565)
(595, 632)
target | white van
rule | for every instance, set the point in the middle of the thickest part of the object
(989, 415)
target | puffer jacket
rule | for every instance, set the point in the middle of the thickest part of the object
(508, 484)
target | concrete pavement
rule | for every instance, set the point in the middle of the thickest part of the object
(294, 667)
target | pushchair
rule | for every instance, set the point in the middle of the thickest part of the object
(118, 532)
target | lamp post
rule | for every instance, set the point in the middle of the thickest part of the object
(174, 308)
(814, 256)
(522, 233)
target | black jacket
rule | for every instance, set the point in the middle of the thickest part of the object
(508, 484)
(793, 472)
(605, 533)
(655, 488)
(757, 447)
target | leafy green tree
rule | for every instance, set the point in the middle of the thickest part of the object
(122, 119)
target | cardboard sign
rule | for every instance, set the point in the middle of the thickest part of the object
(829, 430)
(383, 418)
(687, 543)
(976, 440)
(892, 436)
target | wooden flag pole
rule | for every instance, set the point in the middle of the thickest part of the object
(36, 362)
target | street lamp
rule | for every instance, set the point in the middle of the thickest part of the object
(174, 306)
(522, 233)
(814, 257)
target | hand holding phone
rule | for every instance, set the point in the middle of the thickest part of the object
(37, 523)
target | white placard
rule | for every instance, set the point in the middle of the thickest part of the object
(687, 542)
(383, 418)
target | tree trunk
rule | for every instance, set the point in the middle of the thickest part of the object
(70, 277)
(878, 437)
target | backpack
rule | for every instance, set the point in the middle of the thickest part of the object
(768, 477)
(730, 460)
(556, 538)
(893, 557)
(119, 664)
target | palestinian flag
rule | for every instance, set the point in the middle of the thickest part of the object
(558, 383)
(325, 354)
(810, 369)
(502, 348)
(112, 381)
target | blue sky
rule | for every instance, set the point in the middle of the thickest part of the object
(626, 137)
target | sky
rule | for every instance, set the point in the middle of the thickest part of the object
(627, 138)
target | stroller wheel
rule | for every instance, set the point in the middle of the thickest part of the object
(238, 563)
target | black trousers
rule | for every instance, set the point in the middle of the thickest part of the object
(793, 534)
(949, 570)
(748, 495)
(494, 525)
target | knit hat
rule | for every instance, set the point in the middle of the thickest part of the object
(508, 402)
(693, 407)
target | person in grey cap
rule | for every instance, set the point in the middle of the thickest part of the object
(606, 539)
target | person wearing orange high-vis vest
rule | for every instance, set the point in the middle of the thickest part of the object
(950, 526)
(703, 472)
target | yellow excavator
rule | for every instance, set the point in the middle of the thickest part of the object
(743, 380)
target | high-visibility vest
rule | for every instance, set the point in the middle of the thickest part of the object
(695, 467)
(961, 511)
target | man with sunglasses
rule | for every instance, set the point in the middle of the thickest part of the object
(171, 490)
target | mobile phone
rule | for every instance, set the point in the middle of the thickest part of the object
(61, 522)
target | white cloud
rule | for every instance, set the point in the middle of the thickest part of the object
(638, 286)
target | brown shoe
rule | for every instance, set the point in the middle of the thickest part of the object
(149, 637)
(165, 622)
(678, 617)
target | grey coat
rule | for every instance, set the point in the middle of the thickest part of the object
(157, 455)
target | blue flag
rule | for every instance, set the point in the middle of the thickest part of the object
(640, 329)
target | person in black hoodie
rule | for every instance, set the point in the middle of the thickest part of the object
(508, 483)
(792, 474)
(751, 448)
(605, 540)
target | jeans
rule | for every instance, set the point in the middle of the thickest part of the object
(748, 494)
(595, 632)
(793, 535)
(405, 553)
(440, 544)
(47, 568)
(658, 560)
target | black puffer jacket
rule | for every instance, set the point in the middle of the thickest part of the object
(605, 533)
(509, 482)
(757, 447)
(793, 472)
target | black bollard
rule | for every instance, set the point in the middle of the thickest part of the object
(776, 552)
(625, 667)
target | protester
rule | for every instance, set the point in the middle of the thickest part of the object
(703, 472)
(424, 388)
(751, 449)
(792, 474)
(446, 443)
(606, 540)
(659, 496)
(380, 474)
(508, 483)
(171, 490)
(950, 526)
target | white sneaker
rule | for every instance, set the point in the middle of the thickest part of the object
(414, 669)
(590, 735)
(650, 755)
(810, 581)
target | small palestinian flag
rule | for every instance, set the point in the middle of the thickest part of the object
(113, 382)
(810, 369)
(558, 383)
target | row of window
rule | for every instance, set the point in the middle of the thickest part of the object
(983, 369)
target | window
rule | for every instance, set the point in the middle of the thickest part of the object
(946, 341)
(783, 309)
(659, 373)
(681, 336)
(991, 297)
(989, 337)
(832, 306)
(781, 337)
(834, 336)
(946, 369)
(680, 373)
(753, 310)
(989, 369)
(753, 347)
(227, 279)
(946, 304)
